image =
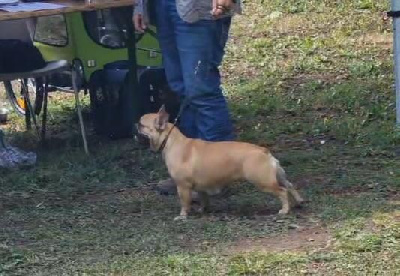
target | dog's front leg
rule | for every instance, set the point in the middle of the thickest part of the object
(185, 196)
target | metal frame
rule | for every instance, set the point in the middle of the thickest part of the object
(396, 49)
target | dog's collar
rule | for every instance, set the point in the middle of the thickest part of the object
(185, 103)
(183, 106)
(164, 142)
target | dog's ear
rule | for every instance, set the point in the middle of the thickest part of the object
(162, 119)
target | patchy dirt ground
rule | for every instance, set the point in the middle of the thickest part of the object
(301, 239)
(313, 81)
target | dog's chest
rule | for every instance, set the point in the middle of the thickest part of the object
(176, 168)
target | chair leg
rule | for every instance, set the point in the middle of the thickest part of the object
(29, 112)
(38, 105)
(79, 110)
(44, 115)
(28, 121)
(23, 92)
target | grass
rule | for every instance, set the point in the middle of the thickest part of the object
(313, 81)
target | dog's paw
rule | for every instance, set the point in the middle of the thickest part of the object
(283, 212)
(301, 204)
(305, 201)
(180, 218)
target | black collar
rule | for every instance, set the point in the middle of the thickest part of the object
(185, 103)
(164, 142)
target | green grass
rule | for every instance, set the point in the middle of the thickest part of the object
(313, 81)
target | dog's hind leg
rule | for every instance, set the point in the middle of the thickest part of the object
(282, 194)
(278, 191)
(265, 178)
(281, 176)
(185, 197)
(297, 197)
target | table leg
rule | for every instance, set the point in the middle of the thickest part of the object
(133, 97)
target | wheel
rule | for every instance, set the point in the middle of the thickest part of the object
(16, 98)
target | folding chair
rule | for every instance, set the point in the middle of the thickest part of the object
(44, 74)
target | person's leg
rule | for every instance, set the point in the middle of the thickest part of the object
(172, 62)
(172, 65)
(201, 49)
(198, 50)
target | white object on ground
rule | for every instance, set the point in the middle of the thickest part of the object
(12, 157)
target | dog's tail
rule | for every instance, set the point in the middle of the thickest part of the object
(284, 182)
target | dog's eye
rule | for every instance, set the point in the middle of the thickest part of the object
(142, 126)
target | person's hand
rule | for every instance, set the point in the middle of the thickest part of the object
(138, 22)
(220, 7)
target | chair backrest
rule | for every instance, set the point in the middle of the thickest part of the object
(19, 56)
(15, 29)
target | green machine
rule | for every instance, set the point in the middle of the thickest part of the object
(91, 40)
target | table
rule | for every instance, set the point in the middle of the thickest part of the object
(133, 100)
(70, 6)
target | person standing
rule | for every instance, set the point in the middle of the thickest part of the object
(192, 36)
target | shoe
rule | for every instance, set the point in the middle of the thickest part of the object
(168, 187)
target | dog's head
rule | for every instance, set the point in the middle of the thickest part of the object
(152, 127)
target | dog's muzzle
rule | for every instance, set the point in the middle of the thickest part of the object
(141, 138)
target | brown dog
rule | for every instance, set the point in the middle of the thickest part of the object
(209, 166)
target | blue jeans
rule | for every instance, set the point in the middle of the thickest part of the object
(192, 53)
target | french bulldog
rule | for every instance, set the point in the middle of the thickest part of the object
(206, 167)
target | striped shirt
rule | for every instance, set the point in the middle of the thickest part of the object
(189, 10)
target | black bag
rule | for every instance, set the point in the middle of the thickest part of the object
(153, 84)
(19, 56)
(109, 102)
